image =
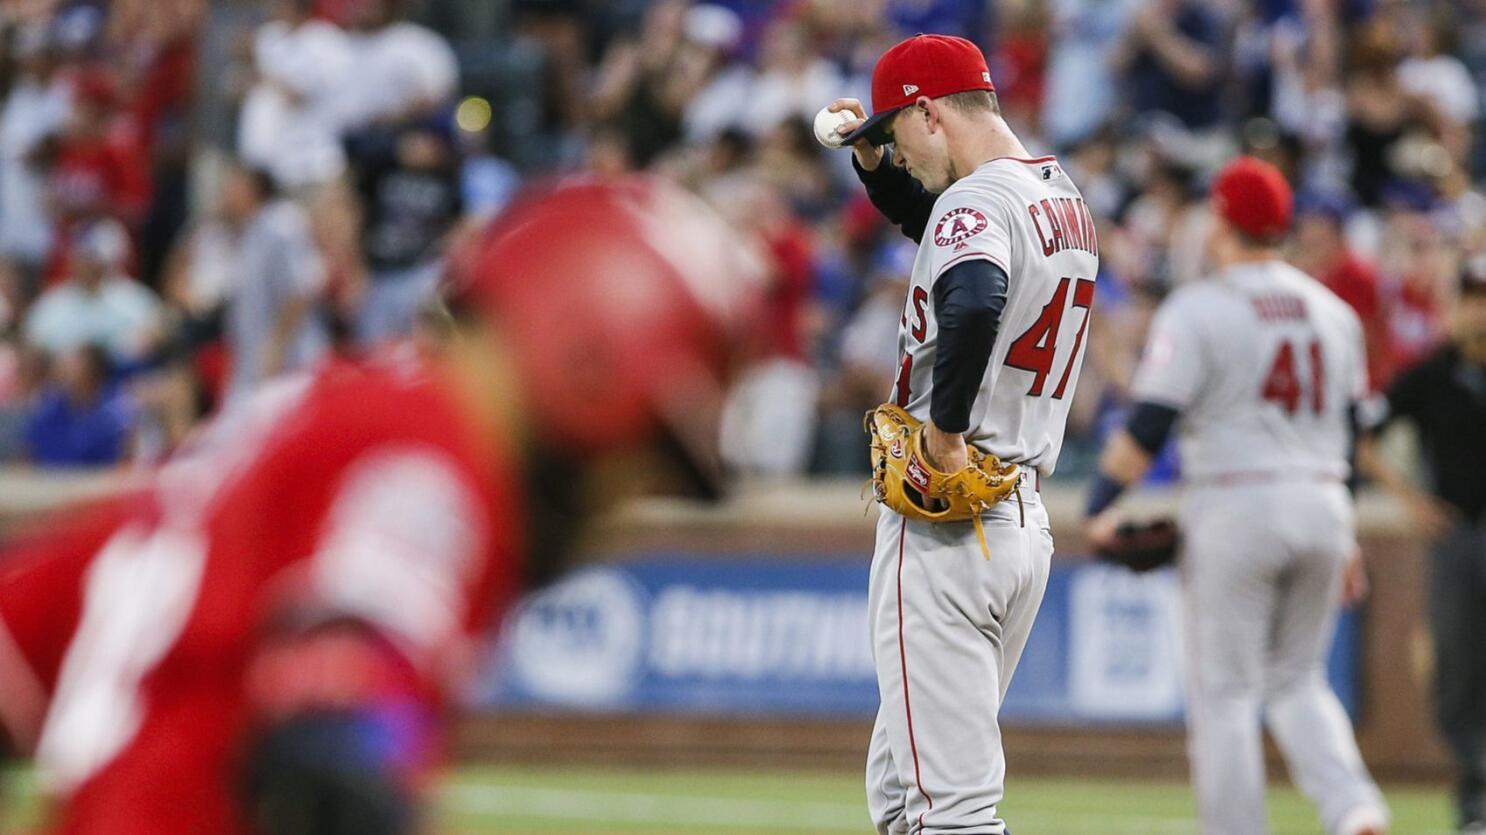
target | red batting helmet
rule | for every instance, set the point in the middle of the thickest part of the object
(624, 302)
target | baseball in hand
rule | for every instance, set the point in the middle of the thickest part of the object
(826, 123)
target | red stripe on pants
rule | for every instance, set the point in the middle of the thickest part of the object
(903, 659)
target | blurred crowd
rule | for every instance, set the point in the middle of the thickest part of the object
(153, 268)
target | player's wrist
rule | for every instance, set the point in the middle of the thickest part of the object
(946, 450)
(1104, 491)
(868, 157)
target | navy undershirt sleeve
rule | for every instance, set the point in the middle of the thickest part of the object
(1150, 425)
(1103, 491)
(968, 300)
(899, 197)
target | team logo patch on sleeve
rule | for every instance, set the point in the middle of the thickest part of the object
(959, 224)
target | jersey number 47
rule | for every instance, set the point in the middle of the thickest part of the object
(1034, 350)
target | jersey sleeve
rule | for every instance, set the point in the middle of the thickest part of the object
(966, 226)
(403, 549)
(41, 594)
(1358, 389)
(1171, 369)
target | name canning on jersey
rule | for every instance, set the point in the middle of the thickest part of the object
(1064, 223)
(1279, 308)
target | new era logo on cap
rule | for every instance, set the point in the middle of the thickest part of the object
(940, 65)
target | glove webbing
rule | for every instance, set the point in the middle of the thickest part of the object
(980, 531)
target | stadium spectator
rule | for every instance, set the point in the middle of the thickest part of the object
(1305, 95)
(711, 34)
(1321, 249)
(1441, 81)
(288, 123)
(1021, 66)
(19, 375)
(35, 111)
(336, 216)
(97, 304)
(1444, 397)
(1420, 267)
(273, 319)
(962, 18)
(399, 71)
(771, 414)
(1173, 61)
(412, 202)
(793, 79)
(1379, 109)
(81, 419)
(868, 361)
(1081, 93)
(151, 49)
(789, 158)
(100, 168)
(639, 93)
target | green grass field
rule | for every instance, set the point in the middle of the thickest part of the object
(505, 799)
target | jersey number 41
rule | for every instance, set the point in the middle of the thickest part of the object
(1282, 384)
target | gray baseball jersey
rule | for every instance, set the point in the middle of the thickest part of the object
(1263, 364)
(948, 624)
(1027, 217)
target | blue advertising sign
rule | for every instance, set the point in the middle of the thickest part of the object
(763, 636)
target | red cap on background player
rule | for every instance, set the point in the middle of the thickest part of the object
(924, 65)
(1254, 198)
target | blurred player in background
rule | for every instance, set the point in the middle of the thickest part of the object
(1260, 370)
(1444, 397)
(263, 638)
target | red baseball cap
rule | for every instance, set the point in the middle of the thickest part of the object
(1253, 196)
(924, 65)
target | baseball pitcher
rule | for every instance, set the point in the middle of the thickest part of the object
(1259, 370)
(991, 342)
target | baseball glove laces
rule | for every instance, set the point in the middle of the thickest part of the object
(904, 481)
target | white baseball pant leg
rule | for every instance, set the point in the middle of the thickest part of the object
(1261, 577)
(948, 628)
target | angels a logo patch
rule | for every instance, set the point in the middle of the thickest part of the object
(959, 224)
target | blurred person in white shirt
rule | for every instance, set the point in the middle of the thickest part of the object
(289, 124)
(1442, 80)
(711, 34)
(273, 318)
(98, 303)
(34, 111)
(399, 70)
(793, 80)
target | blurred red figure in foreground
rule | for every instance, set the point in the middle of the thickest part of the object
(263, 639)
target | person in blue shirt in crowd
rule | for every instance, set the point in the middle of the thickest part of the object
(81, 418)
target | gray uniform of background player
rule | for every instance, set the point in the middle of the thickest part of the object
(948, 626)
(1263, 364)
